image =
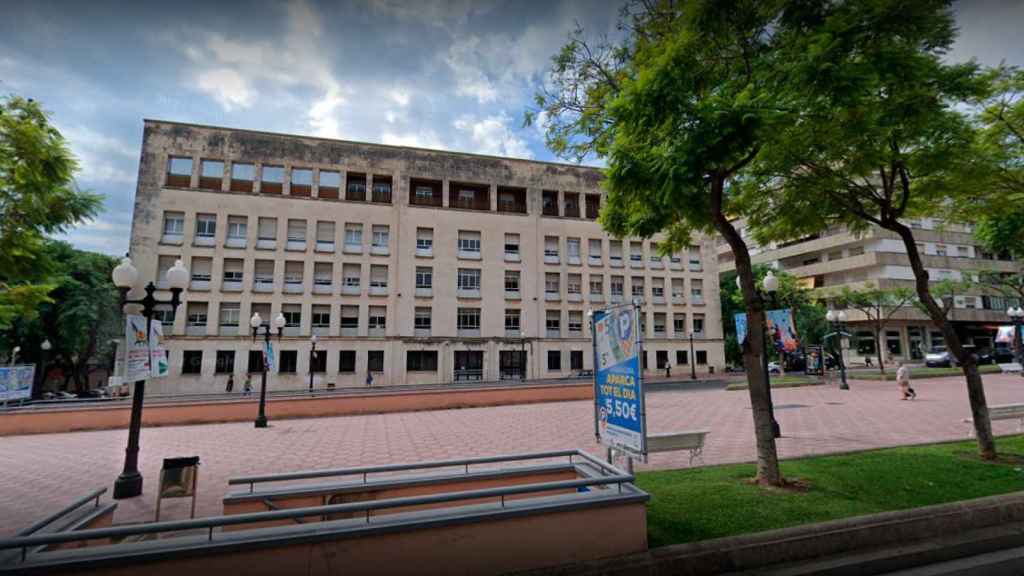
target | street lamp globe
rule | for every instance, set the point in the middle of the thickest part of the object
(255, 321)
(841, 316)
(280, 321)
(313, 338)
(46, 345)
(177, 276)
(830, 316)
(125, 274)
(770, 282)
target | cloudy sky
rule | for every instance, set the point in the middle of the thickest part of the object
(440, 74)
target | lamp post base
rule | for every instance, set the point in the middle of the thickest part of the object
(261, 421)
(128, 485)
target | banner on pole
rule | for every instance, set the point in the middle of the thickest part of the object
(782, 330)
(159, 367)
(741, 327)
(16, 382)
(138, 365)
(268, 356)
(618, 393)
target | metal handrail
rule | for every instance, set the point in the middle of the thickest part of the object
(209, 524)
(94, 495)
(365, 470)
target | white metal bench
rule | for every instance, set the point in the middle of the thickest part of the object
(692, 440)
(1010, 368)
(1004, 412)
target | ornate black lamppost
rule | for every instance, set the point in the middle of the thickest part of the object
(838, 319)
(312, 358)
(256, 323)
(129, 483)
(1017, 315)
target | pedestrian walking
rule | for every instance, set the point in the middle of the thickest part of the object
(668, 370)
(247, 388)
(231, 383)
(903, 379)
(369, 378)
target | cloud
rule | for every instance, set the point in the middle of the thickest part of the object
(228, 87)
(421, 139)
(492, 135)
(101, 158)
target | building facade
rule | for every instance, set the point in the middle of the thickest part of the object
(416, 266)
(836, 258)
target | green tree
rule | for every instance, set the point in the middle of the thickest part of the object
(38, 197)
(878, 305)
(80, 319)
(678, 109)
(887, 137)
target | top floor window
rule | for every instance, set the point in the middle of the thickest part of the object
(242, 176)
(512, 200)
(549, 201)
(272, 179)
(330, 184)
(424, 192)
(302, 182)
(381, 189)
(179, 171)
(572, 205)
(593, 206)
(469, 196)
(211, 174)
(355, 187)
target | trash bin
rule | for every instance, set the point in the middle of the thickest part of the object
(178, 479)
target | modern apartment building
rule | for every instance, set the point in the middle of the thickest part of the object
(835, 258)
(418, 266)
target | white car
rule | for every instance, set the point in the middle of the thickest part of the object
(774, 368)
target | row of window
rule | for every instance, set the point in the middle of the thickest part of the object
(415, 361)
(468, 242)
(216, 175)
(467, 280)
(230, 321)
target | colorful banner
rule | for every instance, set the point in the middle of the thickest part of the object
(16, 382)
(618, 386)
(268, 356)
(138, 364)
(159, 366)
(1005, 335)
(741, 327)
(782, 330)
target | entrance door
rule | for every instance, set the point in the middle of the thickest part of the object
(469, 365)
(916, 337)
(512, 364)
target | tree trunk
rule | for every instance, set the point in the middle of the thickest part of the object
(878, 349)
(967, 360)
(760, 400)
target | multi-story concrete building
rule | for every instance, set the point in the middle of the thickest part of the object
(837, 257)
(418, 266)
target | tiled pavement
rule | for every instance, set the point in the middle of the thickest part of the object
(40, 474)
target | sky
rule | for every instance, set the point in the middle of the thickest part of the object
(454, 74)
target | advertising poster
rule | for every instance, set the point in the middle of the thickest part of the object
(618, 393)
(1004, 335)
(268, 356)
(159, 366)
(137, 356)
(16, 382)
(782, 330)
(741, 327)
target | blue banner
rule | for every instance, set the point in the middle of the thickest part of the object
(618, 393)
(268, 356)
(16, 382)
(741, 327)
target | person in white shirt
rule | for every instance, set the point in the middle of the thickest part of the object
(903, 379)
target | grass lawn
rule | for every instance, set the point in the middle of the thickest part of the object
(700, 503)
(890, 374)
(782, 382)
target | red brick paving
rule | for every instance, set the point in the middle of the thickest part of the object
(39, 474)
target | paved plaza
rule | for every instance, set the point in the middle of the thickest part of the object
(40, 474)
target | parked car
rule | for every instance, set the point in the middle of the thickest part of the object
(1003, 354)
(579, 374)
(939, 356)
(774, 367)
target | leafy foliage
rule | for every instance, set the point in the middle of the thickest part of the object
(38, 197)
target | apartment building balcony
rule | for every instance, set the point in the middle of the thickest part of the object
(295, 245)
(469, 255)
(293, 287)
(657, 265)
(513, 333)
(468, 332)
(551, 258)
(697, 300)
(470, 293)
(379, 250)
(424, 252)
(375, 332)
(350, 331)
(352, 248)
(173, 239)
(195, 330)
(324, 247)
(575, 333)
(199, 283)
(512, 257)
(424, 293)
(235, 242)
(657, 299)
(678, 299)
(291, 330)
(597, 297)
(615, 262)
(321, 330)
(378, 290)
(660, 333)
(227, 330)
(552, 297)
(675, 265)
(637, 264)
(266, 244)
(231, 286)
(574, 261)
(552, 333)
(512, 295)
(421, 332)
(696, 267)
(617, 298)
(323, 288)
(595, 261)
(351, 290)
(575, 297)
(205, 241)
(264, 285)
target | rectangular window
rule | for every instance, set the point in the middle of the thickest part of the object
(637, 284)
(378, 318)
(293, 272)
(237, 230)
(593, 206)
(318, 361)
(698, 324)
(512, 244)
(636, 251)
(659, 323)
(572, 204)
(618, 285)
(230, 314)
(225, 362)
(381, 237)
(596, 285)
(595, 249)
(512, 320)
(263, 275)
(468, 319)
(296, 232)
(255, 363)
(425, 192)
(174, 224)
(378, 276)
(351, 274)
(206, 225)
(289, 362)
(375, 360)
(165, 316)
(576, 360)
(325, 236)
(196, 315)
(355, 187)
(267, 228)
(615, 252)
(551, 281)
(658, 287)
(572, 249)
(381, 189)
(549, 201)
(302, 182)
(469, 279)
(211, 174)
(233, 274)
(292, 315)
(702, 357)
(201, 271)
(469, 196)
(554, 360)
(697, 290)
(421, 361)
(553, 320)
(354, 235)
(575, 322)
(679, 324)
(574, 284)
(350, 317)
(512, 200)
(422, 320)
(330, 185)
(551, 247)
(347, 361)
(424, 240)
(424, 277)
(682, 357)
(272, 179)
(191, 361)
(321, 316)
(469, 242)
(511, 280)
(653, 256)
(242, 176)
(694, 256)
(179, 172)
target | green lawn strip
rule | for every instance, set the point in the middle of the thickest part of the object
(783, 382)
(921, 373)
(701, 503)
